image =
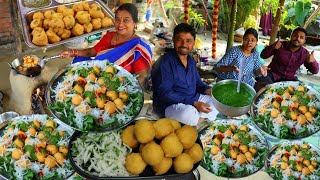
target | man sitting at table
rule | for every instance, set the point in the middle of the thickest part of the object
(288, 56)
(178, 91)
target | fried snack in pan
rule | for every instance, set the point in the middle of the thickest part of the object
(48, 14)
(57, 15)
(106, 22)
(39, 37)
(35, 23)
(96, 23)
(175, 124)
(183, 163)
(77, 29)
(93, 5)
(187, 136)
(128, 137)
(88, 27)
(61, 8)
(171, 146)
(52, 36)
(38, 15)
(85, 5)
(195, 152)
(77, 7)
(163, 166)
(163, 127)
(67, 12)
(69, 21)
(83, 17)
(96, 12)
(152, 153)
(46, 23)
(144, 131)
(135, 164)
(65, 34)
(57, 25)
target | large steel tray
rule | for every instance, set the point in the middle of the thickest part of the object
(26, 14)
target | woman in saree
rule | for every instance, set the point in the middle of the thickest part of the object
(121, 47)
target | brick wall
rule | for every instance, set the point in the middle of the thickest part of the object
(6, 31)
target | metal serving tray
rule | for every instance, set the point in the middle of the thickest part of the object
(26, 14)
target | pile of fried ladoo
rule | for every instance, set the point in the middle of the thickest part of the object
(54, 25)
(162, 144)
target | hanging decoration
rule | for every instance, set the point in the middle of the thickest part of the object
(205, 16)
(186, 12)
(215, 28)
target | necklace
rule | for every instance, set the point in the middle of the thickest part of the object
(117, 38)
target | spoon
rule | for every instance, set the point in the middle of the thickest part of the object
(43, 61)
(242, 61)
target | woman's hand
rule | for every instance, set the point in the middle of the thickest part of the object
(69, 53)
(235, 69)
(202, 107)
(264, 70)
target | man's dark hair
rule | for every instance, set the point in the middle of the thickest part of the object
(131, 8)
(301, 30)
(185, 28)
(251, 31)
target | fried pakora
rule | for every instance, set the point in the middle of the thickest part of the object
(171, 146)
(61, 8)
(152, 153)
(67, 12)
(163, 127)
(128, 137)
(39, 37)
(35, 23)
(88, 27)
(46, 23)
(69, 21)
(48, 14)
(187, 136)
(106, 22)
(144, 131)
(57, 15)
(65, 34)
(83, 17)
(183, 163)
(96, 23)
(96, 12)
(195, 152)
(57, 25)
(135, 164)
(77, 7)
(52, 36)
(38, 15)
(163, 166)
(77, 29)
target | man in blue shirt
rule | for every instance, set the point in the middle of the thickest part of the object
(178, 91)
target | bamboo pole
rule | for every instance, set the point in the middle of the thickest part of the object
(276, 24)
(313, 15)
(232, 24)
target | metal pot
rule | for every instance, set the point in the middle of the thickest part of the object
(30, 71)
(230, 110)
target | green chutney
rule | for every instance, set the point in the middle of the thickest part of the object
(227, 94)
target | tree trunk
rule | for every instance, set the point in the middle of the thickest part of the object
(313, 15)
(276, 23)
(232, 25)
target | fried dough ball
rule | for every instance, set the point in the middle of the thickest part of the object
(35, 23)
(96, 12)
(57, 15)
(152, 153)
(128, 137)
(59, 158)
(106, 22)
(135, 164)
(69, 21)
(77, 29)
(67, 12)
(94, 5)
(50, 161)
(77, 7)
(88, 27)
(36, 30)
(40, 37)
(187, 136)
(183, 163)
(163, 127)
(175, 124)
(38, 15)
(48, 14)
(96, 23)
(85, 5)
(57, 25)
(163, 166)
(52, 36)
(65, 34)
(195, 152)
(144, 131)
(61, 8)
(171, 145)
(83, 17)
(46, 23)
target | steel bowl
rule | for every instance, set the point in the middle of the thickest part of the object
(230, 110)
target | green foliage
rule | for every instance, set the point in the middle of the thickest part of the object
(268, 5)
(245, 8)
(194, 18)
(250, 22)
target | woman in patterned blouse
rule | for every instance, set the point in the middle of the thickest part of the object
(229, 66)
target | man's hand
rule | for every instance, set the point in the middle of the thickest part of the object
(278, 44)
(264, 70)
(310, 58)
(202, 107)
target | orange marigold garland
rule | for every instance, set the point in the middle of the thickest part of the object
(215, 28)
(186, 6)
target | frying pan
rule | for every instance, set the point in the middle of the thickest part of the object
(30, 71)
